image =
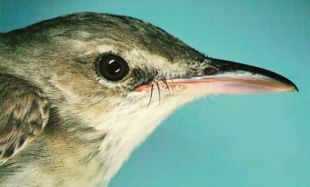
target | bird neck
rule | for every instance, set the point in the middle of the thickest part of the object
(127, 126)
(79, 157)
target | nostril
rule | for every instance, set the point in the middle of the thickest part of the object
(210, 70)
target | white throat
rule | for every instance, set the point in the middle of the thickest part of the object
(128, 124)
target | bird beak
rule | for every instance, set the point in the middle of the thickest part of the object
(226, 77)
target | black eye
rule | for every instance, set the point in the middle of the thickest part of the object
(112, 67)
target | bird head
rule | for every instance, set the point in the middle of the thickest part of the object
(122, 76)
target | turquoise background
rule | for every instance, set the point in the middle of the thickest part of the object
(229, 140)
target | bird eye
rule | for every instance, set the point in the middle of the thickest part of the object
(112, 67)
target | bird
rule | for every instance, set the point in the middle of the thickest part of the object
(78, 93)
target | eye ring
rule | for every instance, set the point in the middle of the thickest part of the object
(112, 67)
